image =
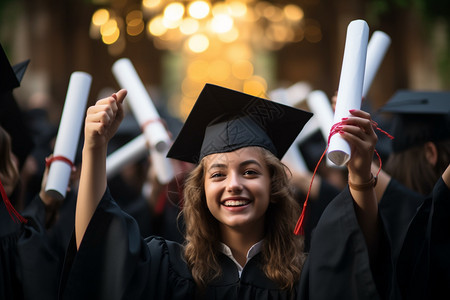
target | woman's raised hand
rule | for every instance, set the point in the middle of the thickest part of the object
(358, 130)
(103, 119)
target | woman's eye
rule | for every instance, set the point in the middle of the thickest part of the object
(250, 172)
(216, 175)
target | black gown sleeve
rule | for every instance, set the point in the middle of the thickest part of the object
(29, 268)
(397, 208)
(315, 208)
(338, 265)
(115, 262)
(423, 267)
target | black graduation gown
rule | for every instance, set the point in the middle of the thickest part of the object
(114, 262)
(29, 268)
(423, 268)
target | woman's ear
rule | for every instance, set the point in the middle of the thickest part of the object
(431, 153)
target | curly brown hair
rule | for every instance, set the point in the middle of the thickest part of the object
(282, 251)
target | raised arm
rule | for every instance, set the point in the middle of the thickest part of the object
(102, 121)
(358, 131)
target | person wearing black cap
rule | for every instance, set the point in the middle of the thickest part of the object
(421, 126)
(414, 189)
(29, 268)
(238, 209)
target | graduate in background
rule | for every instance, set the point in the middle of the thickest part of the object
(238, 209)
(414, 193)
(29, 266)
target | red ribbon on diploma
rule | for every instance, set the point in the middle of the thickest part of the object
(334, 129)
(49, 160)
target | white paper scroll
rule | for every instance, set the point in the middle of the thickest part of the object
(376, 50)
(350, 86)
(131, 152)
(320, 106)
(292, 96)
(68, 134)
(147, 116)
(294, 160)
(297, 93)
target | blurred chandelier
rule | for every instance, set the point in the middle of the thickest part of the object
(194, 25)
(226, 42)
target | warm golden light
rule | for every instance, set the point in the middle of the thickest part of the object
(170, 23)
(242, 69)
(219, 70)
(273, 13)
(198, 70)
(135, 27)
(293, 12)
(263, 24)
(190, 88)
(189, 26)
(237, 9)
(109, 27)
(151, 4)
(230, 36)
(239, 51)
(198, 43)
(255, 86)
(112, 37)
(199, 9)
(156, 26)
(225, 42)
(221, 23)
(100, 17)
(134, 15)
(174, 11)
(220, 8)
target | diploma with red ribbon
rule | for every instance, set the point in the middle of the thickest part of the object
(350, 86)
(147, 116)
(61, 163)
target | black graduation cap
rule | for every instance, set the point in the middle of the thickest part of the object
(418, 117)
(224, 120)
(11, 118)
(11, 75)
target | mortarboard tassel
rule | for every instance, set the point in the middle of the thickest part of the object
(11, 210)
(299, 226)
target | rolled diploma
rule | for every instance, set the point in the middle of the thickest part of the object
(376, 50)
(293, 158)
(320, 106)
(129, 153)
(296, 93)
(146, 114)
(68, 133)
(141, 104)
(350, 86)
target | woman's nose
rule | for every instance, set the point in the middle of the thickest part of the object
(234, 183)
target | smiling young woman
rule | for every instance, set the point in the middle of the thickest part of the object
(256, 175)
(238, 209)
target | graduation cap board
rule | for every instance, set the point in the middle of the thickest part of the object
(419, 117)
(224, 120)
(11, 75)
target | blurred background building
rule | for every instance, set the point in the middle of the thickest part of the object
(250, 45)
